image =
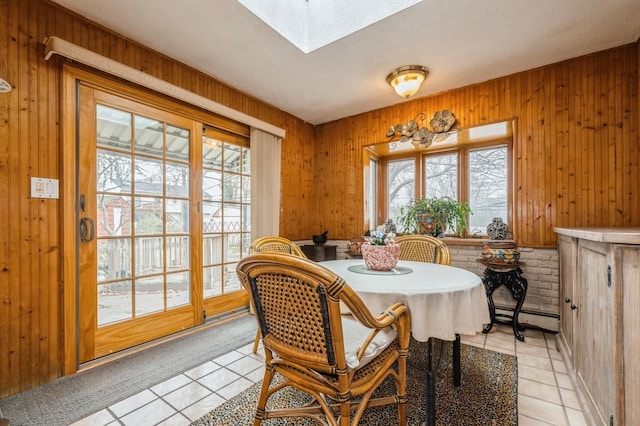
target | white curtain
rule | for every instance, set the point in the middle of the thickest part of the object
(265, 184)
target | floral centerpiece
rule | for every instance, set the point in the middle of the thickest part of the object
(380, 252)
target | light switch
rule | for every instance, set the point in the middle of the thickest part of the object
(44, 188)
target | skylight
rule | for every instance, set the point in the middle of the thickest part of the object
(312, 24)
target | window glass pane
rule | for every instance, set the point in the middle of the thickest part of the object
(177, 180)
(441, 176)
(149, 136)
(114, 215)
(212, 249)
(211, 185)
(177, 143)
(178, 249)
(149, 255)
(232, 157)
(178, 289)
(177, 216)
(231, 187)
(371, 192)
(246, 161)
(148, 214)
(114, 258)
(149, 295)
(211, 153)
(114, 302)
(487, 187)
(401, 188)
(113, 172)
(149, 176)
(113, 128)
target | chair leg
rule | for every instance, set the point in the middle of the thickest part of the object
(256, 342)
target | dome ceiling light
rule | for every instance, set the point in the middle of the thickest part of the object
(406, 80)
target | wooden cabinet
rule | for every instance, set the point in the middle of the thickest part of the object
(600, 320)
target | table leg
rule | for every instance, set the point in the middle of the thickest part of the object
(430, 408)
(456, 361)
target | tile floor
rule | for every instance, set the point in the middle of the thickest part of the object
(545, 394)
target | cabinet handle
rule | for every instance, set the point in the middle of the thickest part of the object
(573, 307)
(567, 300)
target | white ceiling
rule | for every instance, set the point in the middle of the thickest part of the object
(461, 42)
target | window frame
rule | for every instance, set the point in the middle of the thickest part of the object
(462, 149)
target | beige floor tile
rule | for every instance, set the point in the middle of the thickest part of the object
(256, 374)
(228, 358)
(218, 379)
(536, 374)
(132, 403)
(576, 418)
(245, 365)
(541, 410)
(528, 421)
(539, 390)
(170, 385)
(564, 381)
(570, 399)
(202, 407)
(186, 395)
(502, 349)
(532, 350)
(543, 363)
(202, 370)
(234, 388)
(559, 366)
(175, 420)
(537, 340)
(150, 414)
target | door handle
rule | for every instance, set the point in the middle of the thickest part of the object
(87, 229)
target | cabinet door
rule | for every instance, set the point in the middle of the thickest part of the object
(595, 343)
(628, 275)
(568, 303)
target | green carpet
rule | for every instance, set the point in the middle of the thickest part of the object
(74, 397)
(487, 395)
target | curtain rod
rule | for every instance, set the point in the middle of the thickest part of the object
(56, 45)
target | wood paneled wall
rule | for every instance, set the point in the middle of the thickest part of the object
(31, 251)
(577, 161)
(576, 145)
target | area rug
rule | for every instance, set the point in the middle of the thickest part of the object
(74, 397)
(487, 395)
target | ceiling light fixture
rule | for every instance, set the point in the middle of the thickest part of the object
(406, 80)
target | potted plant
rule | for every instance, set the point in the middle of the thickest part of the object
(434, 216)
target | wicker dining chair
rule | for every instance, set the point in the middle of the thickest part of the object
(273, 244)
(339, 360)
(423, 248)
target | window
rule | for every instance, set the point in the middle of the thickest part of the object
(226, 209)
(371, 191)
(401, 176)
(471, 166)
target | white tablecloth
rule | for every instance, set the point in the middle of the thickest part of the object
(443, 300)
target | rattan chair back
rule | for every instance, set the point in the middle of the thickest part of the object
(275, 244)
(297, 305)
(423, 248)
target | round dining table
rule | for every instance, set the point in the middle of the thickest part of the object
(443, 301)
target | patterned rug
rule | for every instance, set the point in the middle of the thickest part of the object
(487, 395)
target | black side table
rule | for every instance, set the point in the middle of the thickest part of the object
(510, 276)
